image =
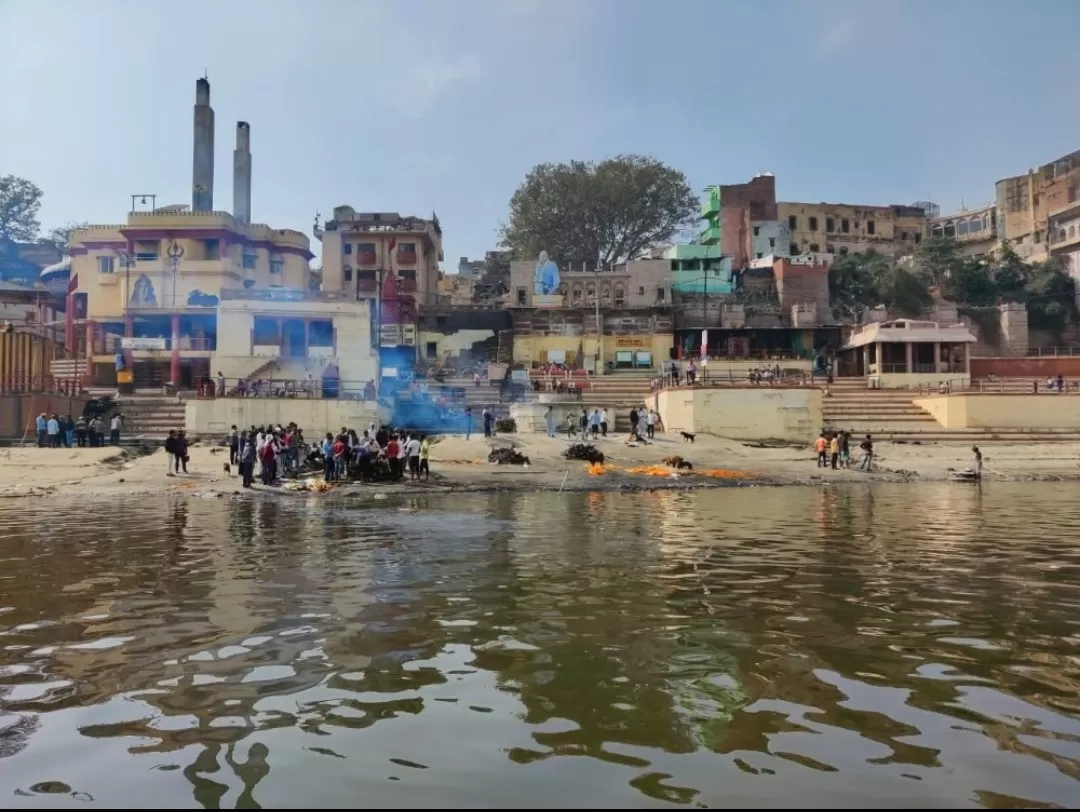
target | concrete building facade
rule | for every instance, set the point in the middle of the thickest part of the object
(361, 249)
(636, 283)
(1024, 203)
(841, 228)
(975, 230)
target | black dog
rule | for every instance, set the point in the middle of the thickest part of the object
(228, 469)
(688, 436)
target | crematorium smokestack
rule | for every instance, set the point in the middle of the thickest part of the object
(202, 154)
(241, 179)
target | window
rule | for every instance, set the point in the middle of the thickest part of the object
(793, 249)
(212, 249)
(106, 264)
(772, 242)
(347, 274)
(918, 238)
(432, 350)
(830, 225)
(845, 226)
(843, 250)
(249, 259)
(660, 294)
(870, 224)
(147, 250)
(277, 265)
(813, 224)
(348, 248)
(815, 247)
(641, 290)
(620, 296)
(830, 248)
(521, 296)
(759, 255)
(757, 231)
(793, 222)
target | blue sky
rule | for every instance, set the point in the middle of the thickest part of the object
(408, 104)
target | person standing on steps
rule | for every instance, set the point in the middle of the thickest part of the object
(114, 429)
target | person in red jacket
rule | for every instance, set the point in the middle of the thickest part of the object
(393, 447)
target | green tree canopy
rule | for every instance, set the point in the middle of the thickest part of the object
(20, 202)
(598, 213)
(859, 282)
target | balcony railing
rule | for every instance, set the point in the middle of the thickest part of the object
(710, 236)
(406, 257)
(367, 258)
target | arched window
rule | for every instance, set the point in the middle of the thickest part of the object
(575, 295)
(620, 296)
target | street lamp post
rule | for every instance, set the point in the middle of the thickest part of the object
(127, 260)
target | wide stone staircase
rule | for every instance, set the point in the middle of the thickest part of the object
(146, 415)
(617, 392)
(891, 414)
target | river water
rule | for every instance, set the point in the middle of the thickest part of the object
(891, 646)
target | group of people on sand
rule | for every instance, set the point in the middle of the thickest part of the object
(351, 455)
(277, 451)
(644, 423)
(54, 431)
(833, 450)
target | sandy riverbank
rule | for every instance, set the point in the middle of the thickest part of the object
(460, 465)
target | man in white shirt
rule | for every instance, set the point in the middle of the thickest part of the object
(114, 430)
(411, 449)
(603, 422)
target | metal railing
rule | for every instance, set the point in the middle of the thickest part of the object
(41, 384)
(1039, 352)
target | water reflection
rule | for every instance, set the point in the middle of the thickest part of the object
(893, 646)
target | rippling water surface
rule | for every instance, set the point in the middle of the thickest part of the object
(888, 647)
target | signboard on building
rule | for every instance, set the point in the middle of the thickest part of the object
(638, 342)
(144, 343)
(389, 335)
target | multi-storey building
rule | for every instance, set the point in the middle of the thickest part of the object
(841, 228)
(362, 249)
(975, 230)
(179, 294)
(741, 218)
(1024, 203)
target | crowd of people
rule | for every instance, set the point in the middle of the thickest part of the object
(275, 452)
(54, 431)
(833, 450)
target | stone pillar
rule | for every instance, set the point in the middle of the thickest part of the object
(938, 346)
(88, 372)
(129, 332)
(69, 325)
(908, 357)
(307, 337)
(174, 367)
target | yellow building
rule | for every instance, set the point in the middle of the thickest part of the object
(839, 228)
(1025, 202)
(158, 278)
(362, 249)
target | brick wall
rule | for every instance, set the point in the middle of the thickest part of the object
(1044, 367)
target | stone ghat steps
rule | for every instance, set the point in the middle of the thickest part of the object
(974, 436)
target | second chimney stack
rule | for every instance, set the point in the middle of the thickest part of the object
(242, 173)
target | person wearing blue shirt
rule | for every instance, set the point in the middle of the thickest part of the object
(42, 430)
(328, 457)
(52, 427)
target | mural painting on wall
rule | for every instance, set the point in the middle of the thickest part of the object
(143, 293)
(546, 276)
(199, 299)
